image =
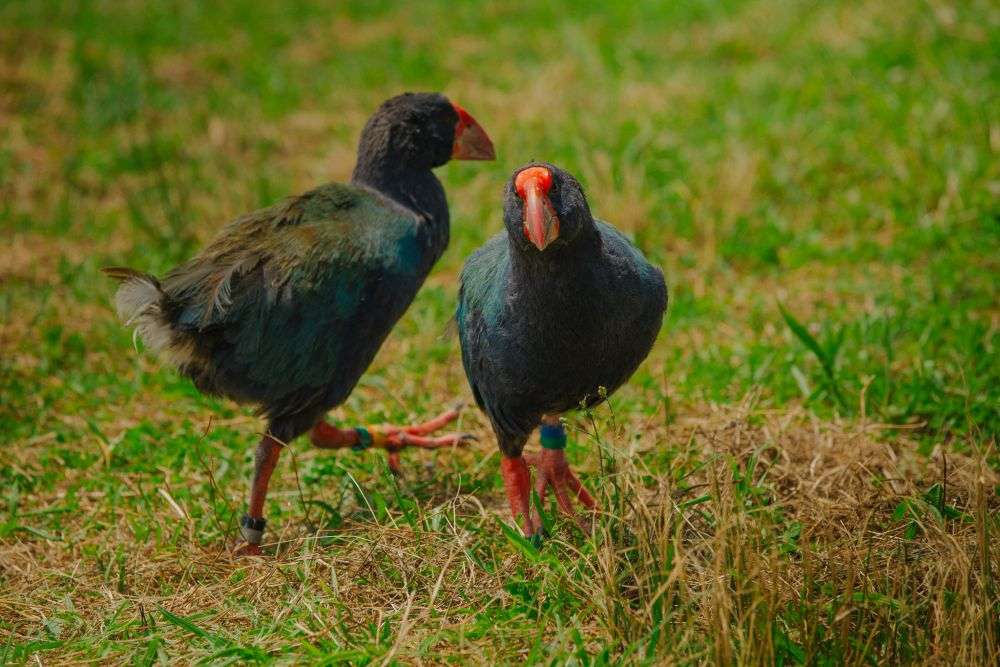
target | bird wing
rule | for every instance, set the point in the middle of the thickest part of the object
(290, 296)
(480, 304)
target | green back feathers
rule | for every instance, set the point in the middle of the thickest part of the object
(297, 245)
(481, 291)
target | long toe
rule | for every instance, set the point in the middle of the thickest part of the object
(581, 491)
(449, 440)
(432, 425)
(564, 494)
(561, 490)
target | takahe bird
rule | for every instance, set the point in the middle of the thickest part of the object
(288, 306)
(554, 313)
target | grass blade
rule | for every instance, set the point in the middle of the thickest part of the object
(190, 626)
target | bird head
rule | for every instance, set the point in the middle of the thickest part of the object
(425, 130)
(544, 207)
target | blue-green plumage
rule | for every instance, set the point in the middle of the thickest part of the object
(289, 305)
(542, 332)
(313, 287)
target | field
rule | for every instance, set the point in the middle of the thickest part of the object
(805, 470)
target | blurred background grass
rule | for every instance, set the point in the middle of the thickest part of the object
(819, 182)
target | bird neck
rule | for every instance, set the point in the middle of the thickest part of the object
(557, 261)
(417, 189)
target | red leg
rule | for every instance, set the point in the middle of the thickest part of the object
(328, 436)
(517, 484)
(252, 525)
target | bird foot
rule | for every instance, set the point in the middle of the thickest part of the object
(552, 471)
(391, 438)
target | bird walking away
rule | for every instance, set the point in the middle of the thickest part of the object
(554, 313)
(289, 305)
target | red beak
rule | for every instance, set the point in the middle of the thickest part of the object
(541, 224)
(471, 140)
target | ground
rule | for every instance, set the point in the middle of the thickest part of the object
(805, 470)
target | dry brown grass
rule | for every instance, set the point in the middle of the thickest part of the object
(714, 570)
(841, 485)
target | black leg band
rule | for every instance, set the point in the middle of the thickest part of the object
(252, 528)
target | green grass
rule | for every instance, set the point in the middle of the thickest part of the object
(804, 471)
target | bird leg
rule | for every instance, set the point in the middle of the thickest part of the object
(517, 484)
(252, 524)
(390, 438)
(553, 471)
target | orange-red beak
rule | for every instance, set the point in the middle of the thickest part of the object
(541, 224)
(471, 140)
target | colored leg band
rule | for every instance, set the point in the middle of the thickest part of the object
(364, 439)
(252, 529)
(553, 437)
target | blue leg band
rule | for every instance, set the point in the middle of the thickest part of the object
(553, 437)
(364, 439)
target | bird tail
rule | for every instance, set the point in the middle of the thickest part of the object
(139, 303)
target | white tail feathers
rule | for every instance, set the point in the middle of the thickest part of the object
(136, 296)
(138, 305)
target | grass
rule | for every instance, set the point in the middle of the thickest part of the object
(805, 471)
